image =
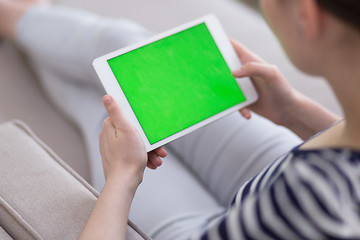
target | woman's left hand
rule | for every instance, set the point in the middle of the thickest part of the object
(124, 159)
(121, 147)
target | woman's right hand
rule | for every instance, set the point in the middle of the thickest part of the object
(276, 97)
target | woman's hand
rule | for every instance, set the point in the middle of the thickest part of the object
(278, 101)
(122, 149)
(276, 97)
(124, 160)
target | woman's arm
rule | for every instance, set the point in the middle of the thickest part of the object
(124, 160)
(110, 215)
(278, 101)
(307, 117)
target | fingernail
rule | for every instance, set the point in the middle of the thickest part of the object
(237, 73)
(107, 99)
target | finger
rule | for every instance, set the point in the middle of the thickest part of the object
(254, 69)
(155, 164)
(161, 152)
(151, 165)
(101, 142)
(154, 159)
(113, 110)
(108, 127)
(245, 112)
(244, 54)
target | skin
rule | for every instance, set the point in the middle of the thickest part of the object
(319, 44)
(124, 159)
(315, 41)
(279, 102)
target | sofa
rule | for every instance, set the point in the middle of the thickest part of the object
(41, 197)
(21, 97)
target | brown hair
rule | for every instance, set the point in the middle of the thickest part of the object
(347, 10)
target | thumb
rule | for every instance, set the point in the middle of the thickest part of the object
(115, 114)
(244, 54)
(254, 69)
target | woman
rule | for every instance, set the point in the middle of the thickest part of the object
(311, 193)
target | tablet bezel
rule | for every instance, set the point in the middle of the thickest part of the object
(113, 88)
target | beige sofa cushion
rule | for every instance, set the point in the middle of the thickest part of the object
(4, 235)
(40, 196)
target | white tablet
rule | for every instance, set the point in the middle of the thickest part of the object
(177, 81)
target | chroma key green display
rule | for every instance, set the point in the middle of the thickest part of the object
(176, 82)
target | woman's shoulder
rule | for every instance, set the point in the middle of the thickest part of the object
(336, 166)
(340, 167)
(328, 154)
(305, 194)
(317, 190)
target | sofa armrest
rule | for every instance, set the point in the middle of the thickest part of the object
(41, 197)
(4, 235)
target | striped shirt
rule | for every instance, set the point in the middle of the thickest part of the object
(308, 194)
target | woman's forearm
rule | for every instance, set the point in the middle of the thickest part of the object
(308, 118)
(110, 215)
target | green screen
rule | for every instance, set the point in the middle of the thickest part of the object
(176, 82)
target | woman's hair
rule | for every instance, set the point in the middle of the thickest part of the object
(347, 10)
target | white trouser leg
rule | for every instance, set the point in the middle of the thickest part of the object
(184, 196)
(172, 204)
(66, 41)
(61, 44)
(227, 153)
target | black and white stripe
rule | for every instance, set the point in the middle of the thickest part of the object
(305, 195)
